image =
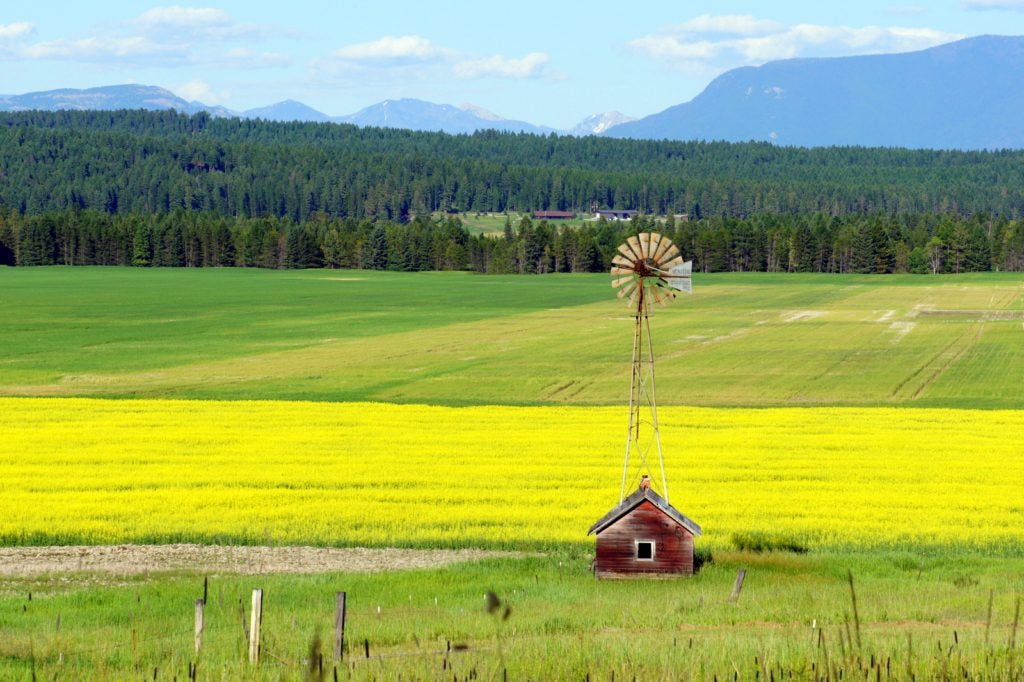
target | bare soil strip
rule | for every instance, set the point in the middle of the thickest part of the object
(135, 559)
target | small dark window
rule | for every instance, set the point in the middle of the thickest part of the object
(645, 550)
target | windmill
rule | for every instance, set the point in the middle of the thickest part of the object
(644, 535)
(648, 269)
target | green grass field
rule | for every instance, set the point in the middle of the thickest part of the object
(463, 339)
(914, 618)
(494, 223)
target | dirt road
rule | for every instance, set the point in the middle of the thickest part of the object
(134, 559)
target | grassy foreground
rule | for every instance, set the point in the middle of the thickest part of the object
(906, 618)
(461, 339)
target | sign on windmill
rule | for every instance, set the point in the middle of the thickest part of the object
(644, 535)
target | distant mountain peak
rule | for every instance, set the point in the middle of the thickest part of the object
(287, 110)
(480, 112)
(107, 97)
(962, 95)
(597, 124)
(415, 114)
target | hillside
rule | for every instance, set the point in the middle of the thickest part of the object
(106, 98)
(962, 95)
(158, 161)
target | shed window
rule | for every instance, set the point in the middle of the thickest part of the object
(645, 550)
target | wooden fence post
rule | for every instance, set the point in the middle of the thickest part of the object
(740, 576)
(199, 624)
(255, 620)
(339, 625)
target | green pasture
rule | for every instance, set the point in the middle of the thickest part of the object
(906, 617)
(493, 224)
(459, 338)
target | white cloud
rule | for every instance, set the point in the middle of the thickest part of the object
(399, 60)
(202, 91)
(1016, 5)
(98, 49)
(182, 17)
(710, 44)
(15, 30)
(728, 24)
(390, 48)
(497, 66)
(161, 37)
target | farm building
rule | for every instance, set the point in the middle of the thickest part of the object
(554, 215)
(616, 214)
(644, 536)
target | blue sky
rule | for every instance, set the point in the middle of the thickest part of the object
(550, 63)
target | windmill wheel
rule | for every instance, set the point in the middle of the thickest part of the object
(648, 268)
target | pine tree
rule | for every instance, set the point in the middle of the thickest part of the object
(141, 250)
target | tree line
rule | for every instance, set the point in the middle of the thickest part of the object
(143, 162)
(876, 243)
(160, 188)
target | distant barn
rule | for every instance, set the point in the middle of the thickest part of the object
(554, 215)
(644, 536)
(616, 214)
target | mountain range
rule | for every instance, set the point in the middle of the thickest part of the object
(962, 95)
(412, 114)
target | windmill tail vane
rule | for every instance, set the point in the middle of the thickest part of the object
(647, 269)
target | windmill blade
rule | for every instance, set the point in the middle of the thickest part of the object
(657, 239)
(645, 244)
(678, 260)
(663, 247)
(621, 271)
(627, 290)
(665, 289)
(671, 253)
(622, 280)
(653, 290)
(622, 260)
(634, 243)
(627, 252)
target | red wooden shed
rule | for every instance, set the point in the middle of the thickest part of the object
(644, 536)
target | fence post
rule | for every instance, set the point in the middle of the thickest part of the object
(339, 625)
(739, 585)
(199, 624)
(255, 620)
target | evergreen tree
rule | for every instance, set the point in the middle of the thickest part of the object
(141, 250)
(378, 249)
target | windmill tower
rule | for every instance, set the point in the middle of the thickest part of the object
(644, 534)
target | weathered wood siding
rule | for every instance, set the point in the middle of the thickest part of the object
(616, 545)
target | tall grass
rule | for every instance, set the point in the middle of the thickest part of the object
(794, 620)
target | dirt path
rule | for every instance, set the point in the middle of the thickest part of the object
(134, 559)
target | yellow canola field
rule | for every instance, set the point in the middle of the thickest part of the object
(83, 471)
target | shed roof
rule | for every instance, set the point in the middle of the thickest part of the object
(633, 501)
